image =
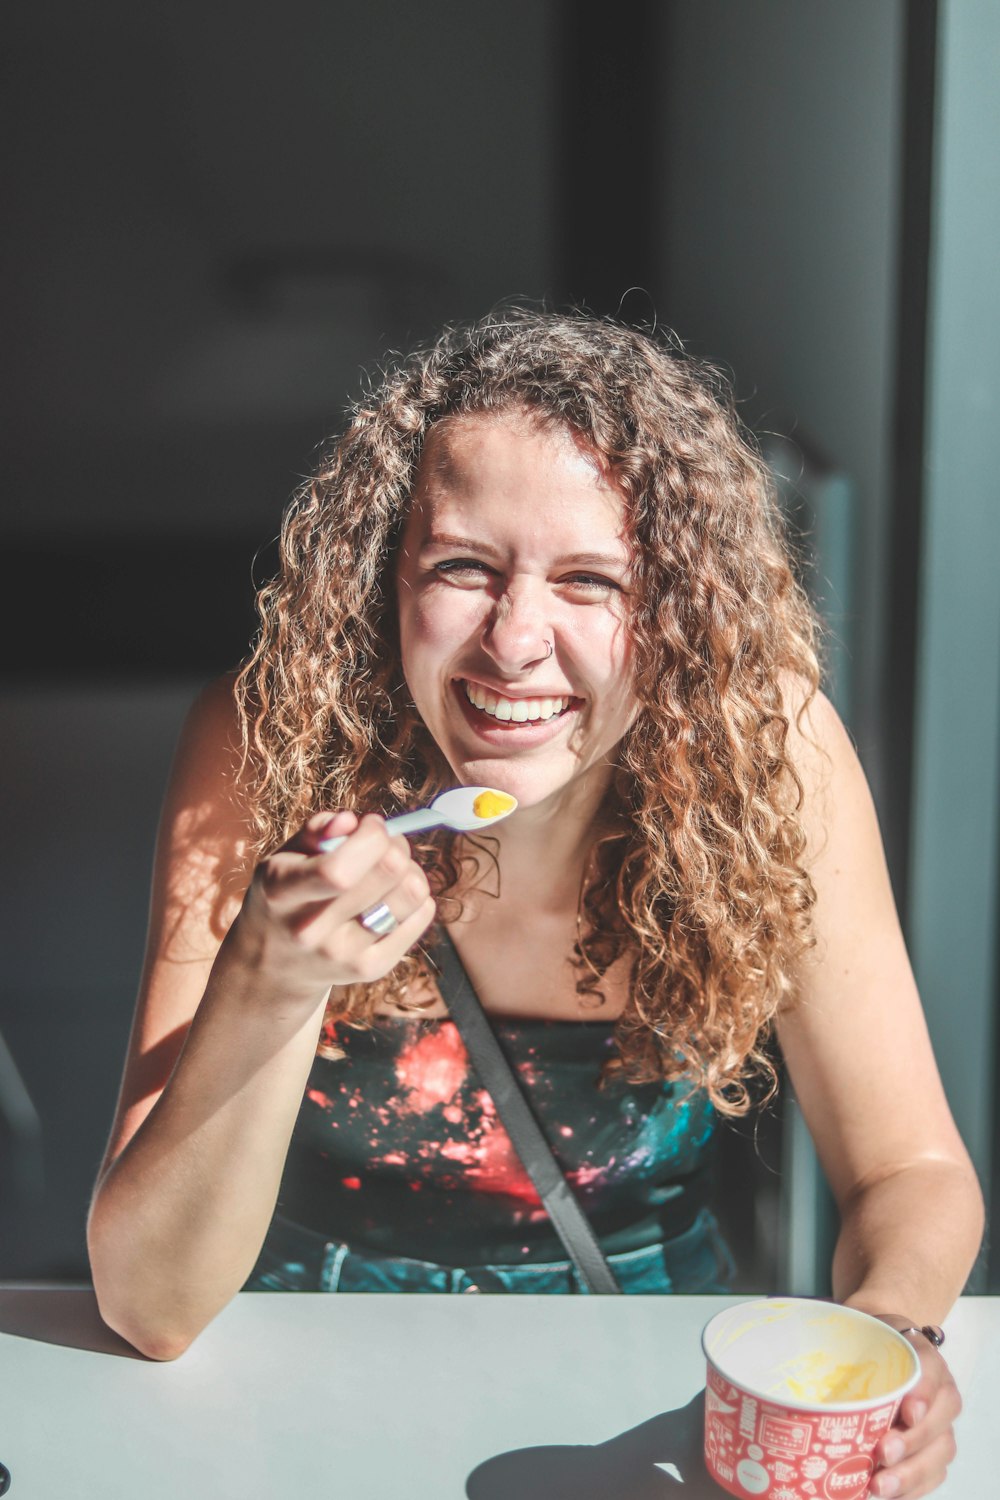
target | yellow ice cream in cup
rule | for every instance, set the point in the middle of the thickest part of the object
(799, 1392)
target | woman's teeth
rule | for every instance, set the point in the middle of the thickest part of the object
(516, 710)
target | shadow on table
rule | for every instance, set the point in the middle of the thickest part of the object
(67, 1316)
(624, 1468)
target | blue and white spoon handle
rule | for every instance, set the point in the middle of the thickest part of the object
(411, 822)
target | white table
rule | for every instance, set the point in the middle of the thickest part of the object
(369, 1397)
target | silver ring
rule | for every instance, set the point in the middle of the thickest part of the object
(379, 920)
(930, 1331)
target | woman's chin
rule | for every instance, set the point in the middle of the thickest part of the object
(505, 775)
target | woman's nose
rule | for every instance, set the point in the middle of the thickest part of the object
(518, 632)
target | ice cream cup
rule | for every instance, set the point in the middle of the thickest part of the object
(798, 1394)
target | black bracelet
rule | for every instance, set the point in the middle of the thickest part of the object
(933, 1334)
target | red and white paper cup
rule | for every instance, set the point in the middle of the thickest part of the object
(798, 1394)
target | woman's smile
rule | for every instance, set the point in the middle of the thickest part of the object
(516, 709)
(515, 721)
(513, 585)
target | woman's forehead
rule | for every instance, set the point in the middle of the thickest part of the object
(485, 462)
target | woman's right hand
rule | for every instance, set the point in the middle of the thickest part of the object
(299, 919)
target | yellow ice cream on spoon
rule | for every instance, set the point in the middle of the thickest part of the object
(463, 808)
(490, 804)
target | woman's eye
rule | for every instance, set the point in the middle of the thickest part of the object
(593, 581)
(473, 570)
(461, 567)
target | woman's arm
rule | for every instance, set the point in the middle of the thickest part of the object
(860, 1059)
(239, 966)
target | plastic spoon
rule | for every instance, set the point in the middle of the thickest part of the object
(455, 809)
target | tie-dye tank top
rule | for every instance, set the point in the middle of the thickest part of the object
(397, 1148)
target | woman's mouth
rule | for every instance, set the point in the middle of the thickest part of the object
(491, 710)
(513, 710)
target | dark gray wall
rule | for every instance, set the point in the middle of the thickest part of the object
(224, 213)
(782, 125)
(84, 768)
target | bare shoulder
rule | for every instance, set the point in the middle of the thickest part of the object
(202, 862)
(843, 851)
(210, 735)
(817, 736)
(836, 802)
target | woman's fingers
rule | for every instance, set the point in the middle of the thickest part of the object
(383, 953)
(934, 1393)
(917, 1451)
(314, 899)
(402, 893)
(369, 860)
(368, 864)
(919, 1475)
(320, 826)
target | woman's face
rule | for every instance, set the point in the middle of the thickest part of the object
(515, 542)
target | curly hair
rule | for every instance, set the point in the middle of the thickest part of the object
(701, 884)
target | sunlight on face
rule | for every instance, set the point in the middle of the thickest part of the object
(516, 542)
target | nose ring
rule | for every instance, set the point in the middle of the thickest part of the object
(549, 651)
(549, 648)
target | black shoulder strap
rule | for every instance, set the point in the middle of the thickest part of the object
(497, 1076)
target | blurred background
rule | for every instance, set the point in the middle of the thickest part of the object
(221, 216)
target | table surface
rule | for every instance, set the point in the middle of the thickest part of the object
(368, 1397)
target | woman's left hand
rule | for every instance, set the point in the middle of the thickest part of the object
(918, 1448)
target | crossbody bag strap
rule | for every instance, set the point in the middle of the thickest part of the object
(568, 1219)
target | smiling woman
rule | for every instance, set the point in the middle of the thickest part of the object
(545, 558)
(518, 662)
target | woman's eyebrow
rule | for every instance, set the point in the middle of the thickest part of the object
(594, 559)
(448, 539)
(468, 544)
